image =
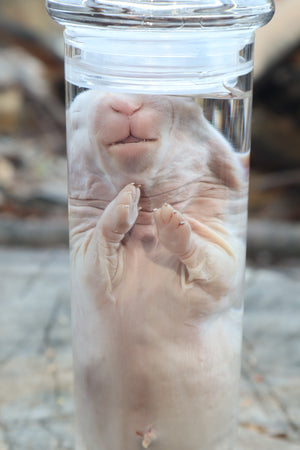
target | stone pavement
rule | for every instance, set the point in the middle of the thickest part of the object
(36, 408)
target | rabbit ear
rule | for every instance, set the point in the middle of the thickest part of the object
(230, 167)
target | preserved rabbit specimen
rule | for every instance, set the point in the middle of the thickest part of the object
(155, 270)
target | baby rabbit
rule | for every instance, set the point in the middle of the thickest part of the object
(155, 268)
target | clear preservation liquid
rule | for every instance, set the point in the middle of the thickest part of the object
(157, 211)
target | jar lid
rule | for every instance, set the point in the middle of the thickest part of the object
(151, 14)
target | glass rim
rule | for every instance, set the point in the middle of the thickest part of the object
(150, 15)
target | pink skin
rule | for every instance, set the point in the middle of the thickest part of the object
(151, 263)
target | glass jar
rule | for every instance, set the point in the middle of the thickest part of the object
(158, 139)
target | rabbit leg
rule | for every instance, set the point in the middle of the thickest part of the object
(203, 253)
(102, 250)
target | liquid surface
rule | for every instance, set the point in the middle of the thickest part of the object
(157, 208)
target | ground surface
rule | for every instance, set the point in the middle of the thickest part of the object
(35, 355)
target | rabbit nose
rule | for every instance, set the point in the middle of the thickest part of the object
(126, 106)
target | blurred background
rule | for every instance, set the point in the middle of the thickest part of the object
(33, 191)
(36, 401)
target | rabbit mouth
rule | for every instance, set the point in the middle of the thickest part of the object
(133, 140)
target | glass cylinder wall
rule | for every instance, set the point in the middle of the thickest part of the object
(158, 143)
